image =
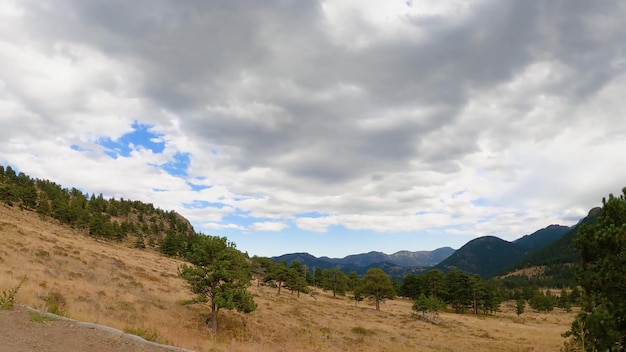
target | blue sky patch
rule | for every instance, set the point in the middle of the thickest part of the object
(480, 202)
(196, 187)
(202, 204)
(141, 136)
(311, 214)
(178, 166)
(78, 148)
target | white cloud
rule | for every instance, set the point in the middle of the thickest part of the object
(268, 226)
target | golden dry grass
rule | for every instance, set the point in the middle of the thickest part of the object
(138, 290)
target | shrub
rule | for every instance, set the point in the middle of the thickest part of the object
(362, 331)
(40, 318)
(55, 303)
(7, 299)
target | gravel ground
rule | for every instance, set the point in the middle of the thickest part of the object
(19, 334)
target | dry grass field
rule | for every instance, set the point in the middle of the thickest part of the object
(139, 291)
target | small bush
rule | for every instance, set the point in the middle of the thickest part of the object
(42, 254)
(55, 303)
(40, 318)
(7, 299)
(146, 334)
(362, 331)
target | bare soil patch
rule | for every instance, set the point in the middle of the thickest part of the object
(18, 333)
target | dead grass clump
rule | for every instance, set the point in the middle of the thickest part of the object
(55, 303)
(42, 254)
(359, 330)
(147, 276)
(146, 333)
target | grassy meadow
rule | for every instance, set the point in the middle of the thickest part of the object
(138, 291)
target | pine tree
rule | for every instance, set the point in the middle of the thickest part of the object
(220, 274)
(376, 284)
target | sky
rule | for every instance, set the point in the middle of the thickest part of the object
(330, 127)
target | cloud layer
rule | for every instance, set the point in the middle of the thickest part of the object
(351, 118)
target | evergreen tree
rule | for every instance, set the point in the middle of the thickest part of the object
(220, 274)
(376, 284)
(459, 294)
(435, 279)
(520, 306)
(335, 281)
(476, 291)
(279, 273)
(413, 285)
(601, 325)
(296, 280)
(353, 281)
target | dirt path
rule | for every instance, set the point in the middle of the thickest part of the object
(19, 334)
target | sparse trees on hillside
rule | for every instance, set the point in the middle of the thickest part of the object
(220, 274)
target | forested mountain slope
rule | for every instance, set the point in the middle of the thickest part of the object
(135, 223)
(488, 256)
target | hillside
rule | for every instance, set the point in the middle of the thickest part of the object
(561, 251)
(138, 290)
(134, 223)
(489, 255)
(542, 238)
(551, 266)
(484, 256)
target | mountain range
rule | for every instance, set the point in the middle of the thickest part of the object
(397, 264)
(486, 256)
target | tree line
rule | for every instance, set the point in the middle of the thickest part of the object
(111, 219)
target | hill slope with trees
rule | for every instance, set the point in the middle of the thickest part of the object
(489, 255)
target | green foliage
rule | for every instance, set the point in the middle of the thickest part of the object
(543, 302)
(554, 275)
(424, 305)
(456, 288)
(602, 275)
(377, 285)
(459, 295)
(335, 281)
(520, 306)
(413, 286)
(40, 318)
(7, 298)
(278, 273)
(221, 274)
(352, 281)
(564, 301)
